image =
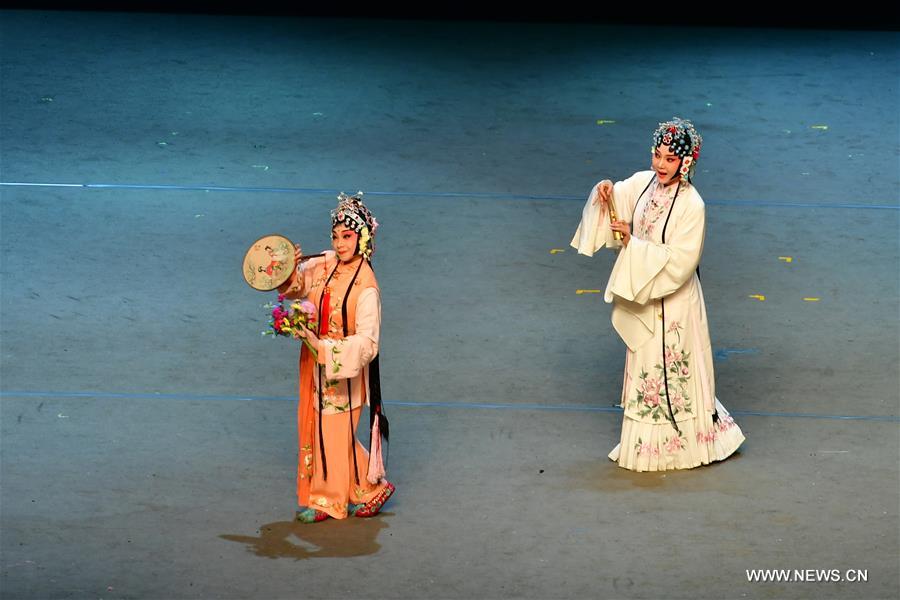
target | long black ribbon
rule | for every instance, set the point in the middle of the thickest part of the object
(662, 302)
(322, 381)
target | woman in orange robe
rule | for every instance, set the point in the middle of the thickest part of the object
(336, 476)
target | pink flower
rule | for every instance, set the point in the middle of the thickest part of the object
(678, 401)
(725, 423)
(308, 307)
(672, 357)
(674, 444)
(651, 384)
(650, 390)
(674, 327)
(646, 448)
(685, 371)
(281, 297)
(706, 438)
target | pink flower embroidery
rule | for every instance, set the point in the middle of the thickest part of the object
(674, 444)
(725, 423)
(647, 448)
(672, 357)
(650, 389)
(706, 438)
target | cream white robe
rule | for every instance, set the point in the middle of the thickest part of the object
(660, 314)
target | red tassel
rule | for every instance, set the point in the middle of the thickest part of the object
(326, 312)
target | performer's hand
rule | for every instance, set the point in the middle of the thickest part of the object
(624, 229)
(604, 191)
(310, 336)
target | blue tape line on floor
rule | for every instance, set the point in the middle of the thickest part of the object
(466, 405)
(475, 195)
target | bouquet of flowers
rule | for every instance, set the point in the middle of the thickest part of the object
(291, 321)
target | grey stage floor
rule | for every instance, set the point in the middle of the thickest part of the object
(148, 430)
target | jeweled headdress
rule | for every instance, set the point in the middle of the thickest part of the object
(684, 141)
(353, 214)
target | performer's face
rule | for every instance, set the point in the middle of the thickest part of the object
(345, 242)
(666, 164)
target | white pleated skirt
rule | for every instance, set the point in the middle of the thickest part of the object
(659, 447)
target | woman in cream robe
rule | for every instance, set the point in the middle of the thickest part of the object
(672, 419)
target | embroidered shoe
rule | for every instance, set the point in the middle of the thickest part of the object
(311, 515)
(373, 506)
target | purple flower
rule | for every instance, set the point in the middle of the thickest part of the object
(308, 307)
